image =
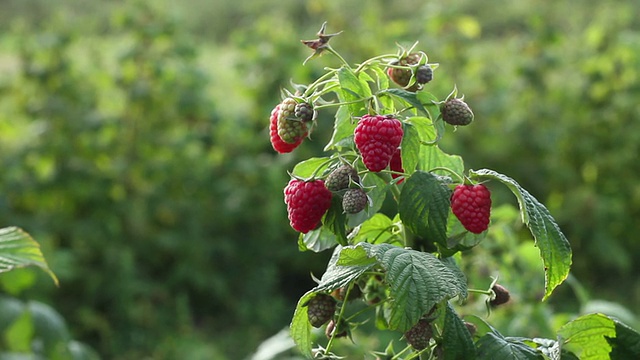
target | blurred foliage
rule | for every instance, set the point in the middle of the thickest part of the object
(133, 142)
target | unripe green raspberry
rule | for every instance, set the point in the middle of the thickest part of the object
(354, 201)
(340, 178)
(456, 112)
(290, 129)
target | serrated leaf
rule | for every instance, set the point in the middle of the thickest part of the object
(355, 256)
(343, 128)
(457, 342)
(317, 240)
(494, 346)
(430, 103)
(300, 327)
(335, 220)
(554, 246)
(375, 230)
(417, 281)
(424, 206)
(407, 97)
(353, 89)
(410, 148)
(587, 336)
(314, 165)
(18, 249)
(337, 276)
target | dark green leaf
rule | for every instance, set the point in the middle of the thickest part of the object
(424, 206)
(554, 246)
(494, 346)
(457, 342)
(626, 344)
(335, 220)
(408, 97)
(377, 190)
(337, 276)
(417, 281)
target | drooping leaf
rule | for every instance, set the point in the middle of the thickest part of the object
(424, 206)
(314, 165)
(18, 249)
(300, 327)
(407, 97)
(417, 281)
(494, 346)
(457, 342)
(335, 220)
(554, 246)
(353, 89)
(317, 240)
(587, 336)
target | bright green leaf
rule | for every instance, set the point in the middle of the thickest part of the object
(18, 249)
(20, 333)
(337, 276)
(410, 148)
(343, 128)
(425, 128)
(424, 206)
(309, 167)
(432, 157)
(554, 246)
(353, 89)
(587, 336)
(375, 230)
(417, 281)
(376, 190)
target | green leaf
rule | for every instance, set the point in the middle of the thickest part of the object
(335, 220)
(353, 89)
(410, 148)
(554, 246)
(587, 336)
(432, 157)
(317, 240)
(494, 346)
(343, 128)
(314, 165)
(456, 339)
(300, 327)
(424, 206)
(18, 249)
(417, 281)
(377, 190)
(407, 97)
(378, 229)
(429, 101)
(626, 344)
(20, 333)
(337, 276)
(425, 128)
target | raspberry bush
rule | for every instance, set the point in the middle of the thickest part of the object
(403, 262)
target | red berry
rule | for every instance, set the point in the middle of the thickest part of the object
(396, 165)
(290, 128)
(278, 144)
(471, 204)
(377, 137)
(402, 77)
(307, 202)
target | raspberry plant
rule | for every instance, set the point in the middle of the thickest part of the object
(404, 264)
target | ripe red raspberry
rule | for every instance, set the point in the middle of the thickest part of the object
(377, 137)
(471, 204)
(290, 128)
(396, 165)
(277, 143)
(307, 201)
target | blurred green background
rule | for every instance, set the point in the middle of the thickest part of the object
(134, 148)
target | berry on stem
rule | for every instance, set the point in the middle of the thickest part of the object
(419, 335)
(321, 309)
(501, 295)
(456, 112)
(307, 202)
(290, 129)
(340, 178)
(276, 142)
(354, 201)
(471, 204)
(377, 137)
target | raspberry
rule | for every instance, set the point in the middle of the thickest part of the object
(354, 201)
(307, 201)
(424, 74)
(290, 129)
(396, 165)
(456, 112)
(321, 309)
(340, 178)
(471, 204)
(471, 327)
(501, 295)
(304, 112)
(419, 335)
(403, 76)
(338, 329)
(377, 137)
(277, 143)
